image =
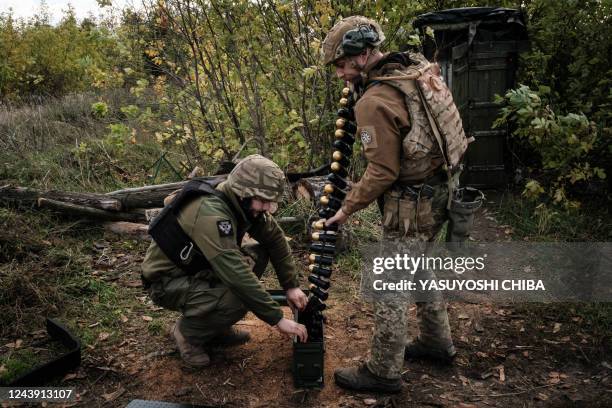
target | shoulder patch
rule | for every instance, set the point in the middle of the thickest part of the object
(367, 135)
(225, 228)
(366, 138)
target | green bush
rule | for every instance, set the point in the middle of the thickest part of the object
(563, 144)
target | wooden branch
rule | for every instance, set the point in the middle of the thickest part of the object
(137, 230)
(149, 196)
(29, 197)
(133, 204)
(74, 209)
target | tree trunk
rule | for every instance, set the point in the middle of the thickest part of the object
(132, 204)
(150, 196)
(25, 196)
(90, 212)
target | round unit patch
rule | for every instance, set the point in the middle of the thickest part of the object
(365, 137)
(225, 228)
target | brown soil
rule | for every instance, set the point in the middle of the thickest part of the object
(506, 358)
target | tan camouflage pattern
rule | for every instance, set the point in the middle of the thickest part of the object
(401, 230)
(331, 49)
(439, 99)
(424, 90)
(257, 176)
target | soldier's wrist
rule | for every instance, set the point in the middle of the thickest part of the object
(346, 210)
(290, 285)
(276, 319)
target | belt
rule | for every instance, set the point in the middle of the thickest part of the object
(413, 192)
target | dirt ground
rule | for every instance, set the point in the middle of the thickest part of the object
(506, 358)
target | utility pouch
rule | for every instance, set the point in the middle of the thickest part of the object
(465, 202)
(390, 219)
(409, 210)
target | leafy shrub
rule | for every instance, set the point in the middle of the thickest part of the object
(563, 143)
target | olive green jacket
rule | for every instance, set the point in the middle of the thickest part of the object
(201, 220)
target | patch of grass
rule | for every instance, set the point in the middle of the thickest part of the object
(593, 222)
(365, 225)
(16, 363)
(156, 327)
(350, 263)
(59, 144)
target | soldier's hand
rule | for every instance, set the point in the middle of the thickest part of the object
(339, 218)
(291, 328)
(297, 298)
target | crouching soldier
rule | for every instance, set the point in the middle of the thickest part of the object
(197, 266)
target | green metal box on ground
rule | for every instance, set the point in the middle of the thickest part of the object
(309, 357)
(477, 49)
(308, 361)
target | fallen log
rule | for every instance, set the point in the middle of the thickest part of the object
(139, 231)
(308, 188)
(90, 212)
(131, 204)
(150, 196)
(25, 196)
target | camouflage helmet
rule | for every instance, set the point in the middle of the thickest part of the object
(350, 36)
(256, 176)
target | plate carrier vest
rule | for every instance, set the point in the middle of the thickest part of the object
(174, 242)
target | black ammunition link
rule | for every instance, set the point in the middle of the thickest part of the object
(334, 192)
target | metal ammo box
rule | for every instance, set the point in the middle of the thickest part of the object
(308, 358)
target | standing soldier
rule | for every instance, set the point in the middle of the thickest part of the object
(196, 264)
(412, 168)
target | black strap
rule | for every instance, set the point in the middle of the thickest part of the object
(174, 242)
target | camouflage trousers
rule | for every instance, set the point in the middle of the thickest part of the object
(407, 223)
(208, 306)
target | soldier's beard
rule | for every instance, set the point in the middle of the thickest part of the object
(245, 204)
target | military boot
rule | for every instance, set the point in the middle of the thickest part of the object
(230, 337)
(192, 355)
(417, 350)
(362, 379)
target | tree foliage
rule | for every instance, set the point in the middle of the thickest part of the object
(39, 59)
(219, 78)
(562, 112)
